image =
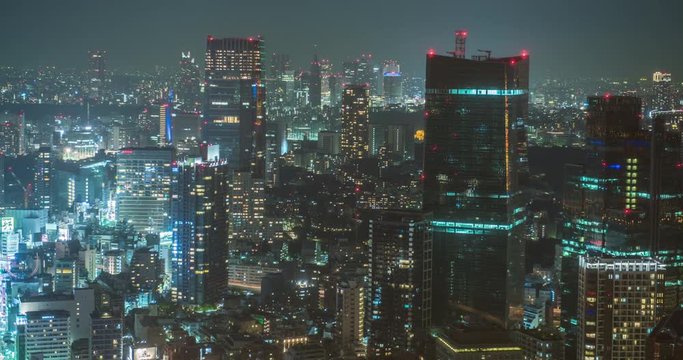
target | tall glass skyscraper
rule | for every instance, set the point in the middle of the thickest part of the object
(200, 228)
(143, 184)
(475, 111)
(234, 112)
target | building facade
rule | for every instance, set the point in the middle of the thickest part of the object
(475, 111)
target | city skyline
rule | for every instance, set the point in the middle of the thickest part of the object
(410, 187)
(632, 42)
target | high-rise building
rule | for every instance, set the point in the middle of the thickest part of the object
(97, 74)
(471, 168)
(359, 71)
(42, 178)
(166, 123)
(246, 201)
(400, 276)
(44, 335)
(200, 225)
(392, 83)
(663, 98)
(315, 82)
(666, 197)
(620, 300)
(354, 136)
(107, 336)
(606, 198)
(280, 82)
(234, 112)
(187, 88)
(325, 86)
(143, 183)
(145, 270)
(351, 316)
(9, 138)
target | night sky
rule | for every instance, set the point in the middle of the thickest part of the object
(566, 38)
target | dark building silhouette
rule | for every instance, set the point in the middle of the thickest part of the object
(472, 160)
(665, 342)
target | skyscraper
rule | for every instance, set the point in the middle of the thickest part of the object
(143, 183)
(200, 228)
(620, 301)
(351, 316)
(470, 175)
(354, 136)
(315, 82)
(392, 81)
(399, 299)
(663, 98)
(42, 178)
(97, 74)
(165, 123)
(246, 201)
(605, 201)
(187, 88)
(234, 112)
(666, 197)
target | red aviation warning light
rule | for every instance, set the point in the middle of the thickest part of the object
(431, 52)
(525, 54)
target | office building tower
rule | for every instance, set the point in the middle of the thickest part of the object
(666, 197)
(44, 335)
(10, 138)
(400, 276)
(187, 87)
(351, 316)
(354, 135)
(234, 112)
(620, 300)
(166, 123)
(113, 261)
(107, 337)
(392, 83)
(359, 71)
(145, 270)
(279, 83)
(471, 165)
(98, 79)
(326, 72)
(143, 183)
(246, 201)
(606, 205)
(200, 225)
(65, 276)
(315, 82)
(80, 304)
(663, 92)
(42, 178)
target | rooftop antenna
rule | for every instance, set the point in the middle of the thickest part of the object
(460, 40)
